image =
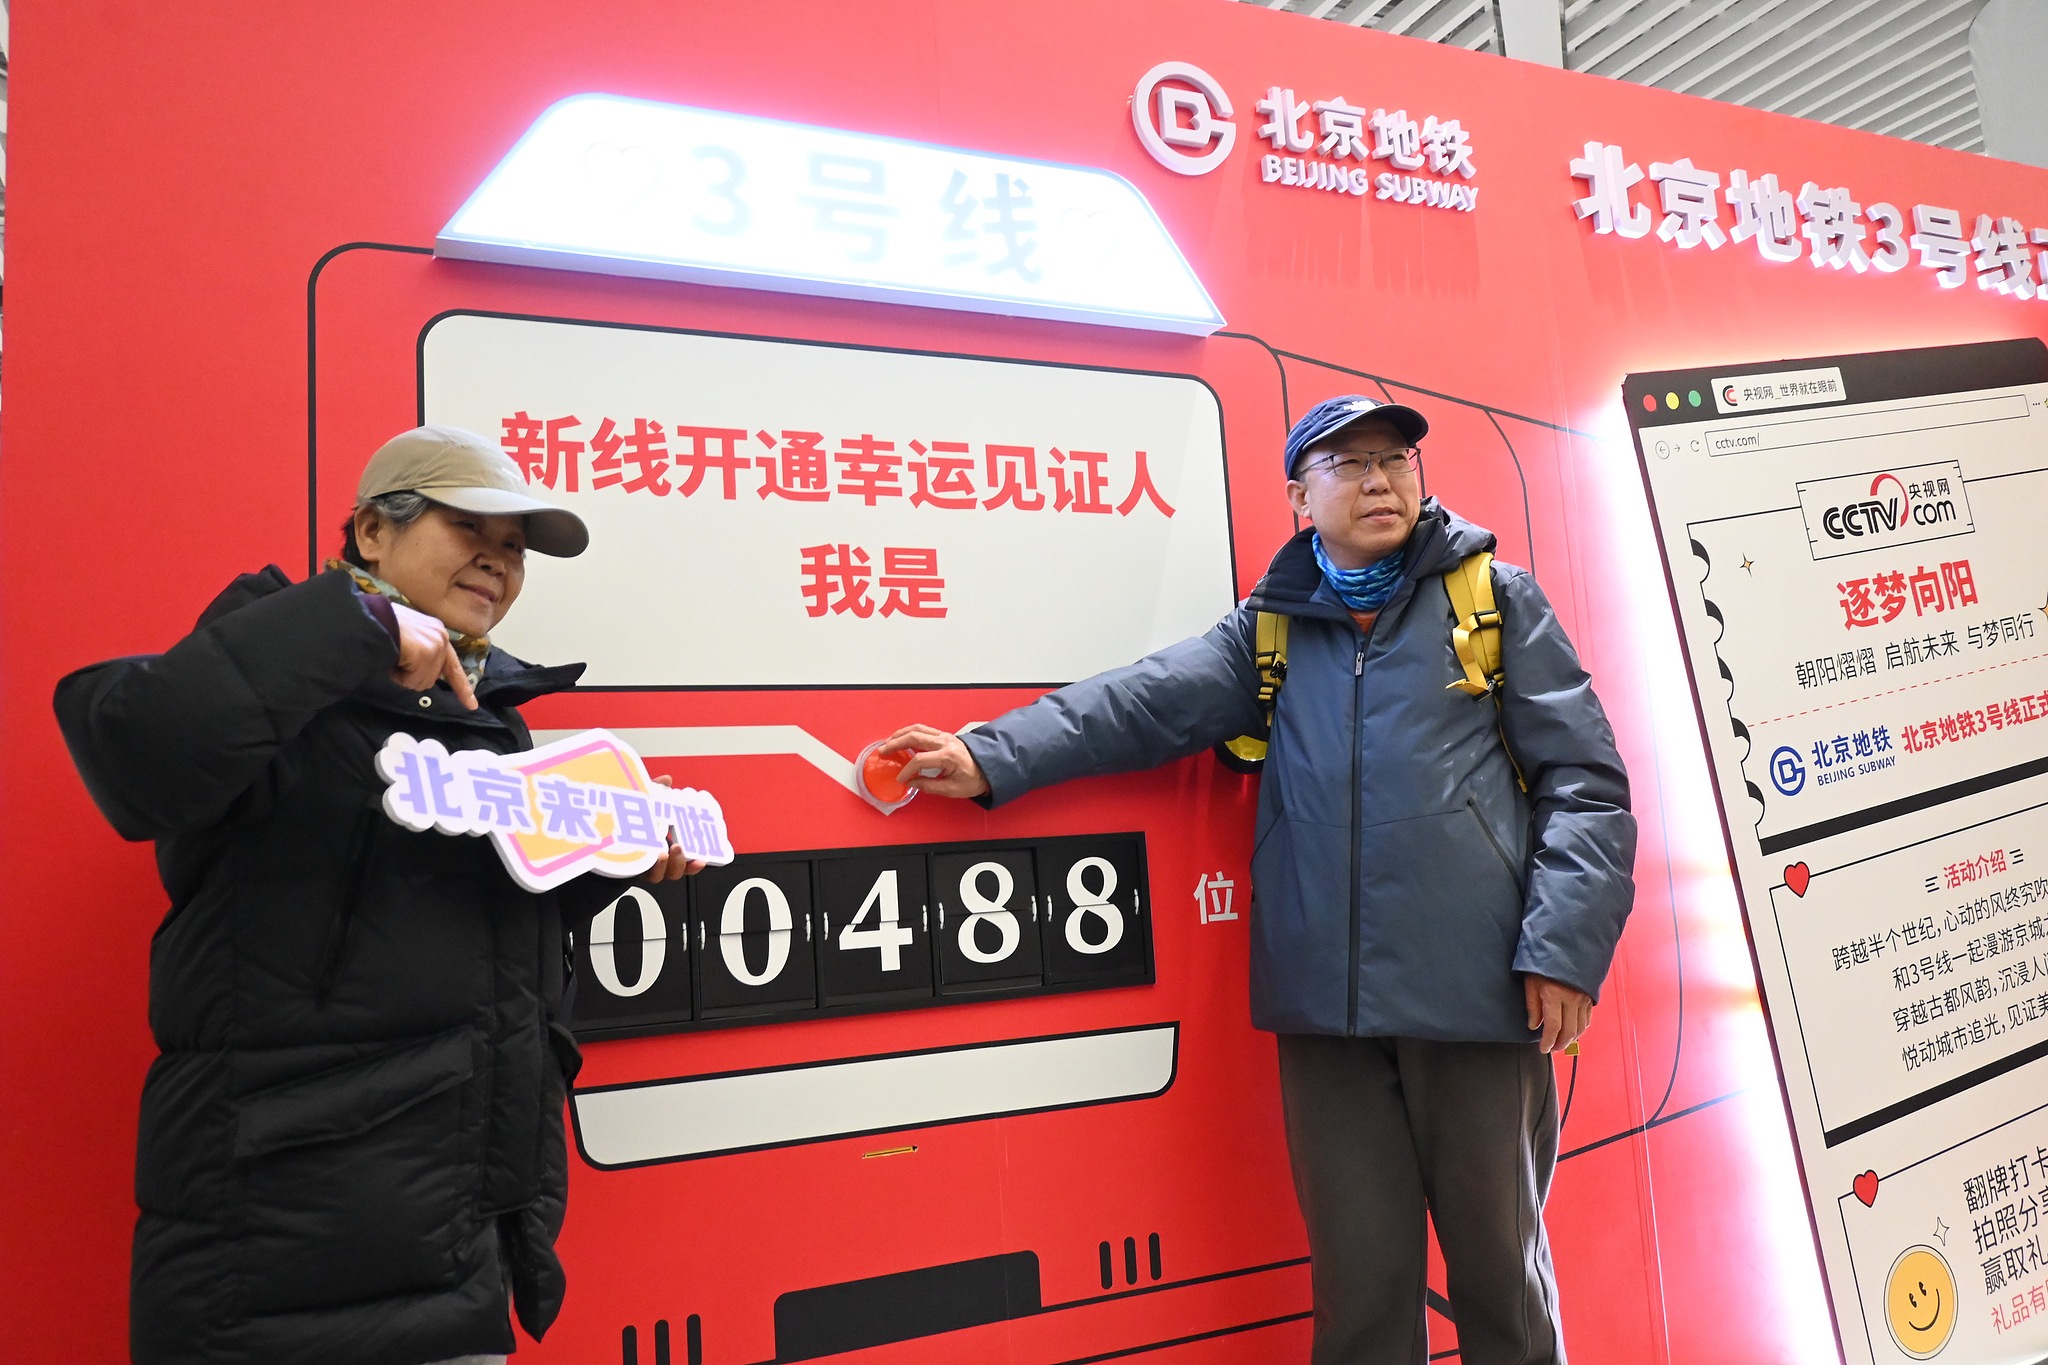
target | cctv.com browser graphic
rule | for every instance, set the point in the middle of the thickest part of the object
(1853, 550)
(1867, 617)
(1870, 559)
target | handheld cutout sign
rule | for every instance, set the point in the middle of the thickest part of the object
(583, 803)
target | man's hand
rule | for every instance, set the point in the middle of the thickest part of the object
(930, 750)
(424, 654)
(675, 864)
(1559, 1010)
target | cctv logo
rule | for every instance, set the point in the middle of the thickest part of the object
(1183, 117)
(1886, 509)
(1891, 507)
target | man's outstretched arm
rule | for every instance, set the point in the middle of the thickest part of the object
(1176, 702)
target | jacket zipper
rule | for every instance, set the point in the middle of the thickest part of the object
(1356, 907)
(345, 920)
(1485, 829)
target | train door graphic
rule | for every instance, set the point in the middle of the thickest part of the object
(946, 1084)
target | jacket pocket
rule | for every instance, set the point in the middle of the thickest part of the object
(1301, 930)
(1493, 842)
(357, 1181)
(348, 1101)
(1439, 918)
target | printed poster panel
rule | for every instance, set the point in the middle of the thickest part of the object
(1854, 551)
(842, 516)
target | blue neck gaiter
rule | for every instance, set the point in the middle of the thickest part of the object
(1366, 589)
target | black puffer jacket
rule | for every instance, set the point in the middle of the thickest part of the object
(352, 1142)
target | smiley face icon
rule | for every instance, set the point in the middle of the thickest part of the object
(1920, 1302)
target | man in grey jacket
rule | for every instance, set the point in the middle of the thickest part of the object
(1425, 932)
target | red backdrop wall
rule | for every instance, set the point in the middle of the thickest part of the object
(179, 171)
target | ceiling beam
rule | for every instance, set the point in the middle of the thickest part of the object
(1531, 30)
(1784, 103)
(2005, 58)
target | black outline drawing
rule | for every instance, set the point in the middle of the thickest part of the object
(1658, 1117)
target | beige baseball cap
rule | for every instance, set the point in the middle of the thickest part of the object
(461, 469)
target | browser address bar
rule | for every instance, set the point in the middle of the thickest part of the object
(1790, 432)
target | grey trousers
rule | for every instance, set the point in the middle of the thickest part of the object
(1382, 1131)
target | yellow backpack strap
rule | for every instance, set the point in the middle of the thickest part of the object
(1475, 635)
(1247, 753)
(1476, 631)
(1270, 656)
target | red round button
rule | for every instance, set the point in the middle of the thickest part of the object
(882, 774)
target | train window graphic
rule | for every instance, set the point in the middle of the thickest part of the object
(942, 1084)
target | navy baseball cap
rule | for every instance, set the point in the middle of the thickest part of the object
(1332, 415)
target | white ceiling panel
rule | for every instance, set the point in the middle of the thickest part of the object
(1898, 67)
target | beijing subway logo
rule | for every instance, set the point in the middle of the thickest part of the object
(1188, 131)
(1887, 508)
(1183, 117)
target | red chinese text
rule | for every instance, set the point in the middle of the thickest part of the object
(838, 579)
(1968, 724)
(1882, 598)
(645, 456)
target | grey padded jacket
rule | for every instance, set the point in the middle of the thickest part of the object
(1401, 880)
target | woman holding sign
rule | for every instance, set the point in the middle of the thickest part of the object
(351, 1147)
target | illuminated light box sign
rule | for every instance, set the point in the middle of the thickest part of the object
(869, 513)
(629, 187)
(581, 804)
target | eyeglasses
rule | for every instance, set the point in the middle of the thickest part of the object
(1394, 464)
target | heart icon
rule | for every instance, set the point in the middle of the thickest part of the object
(1797, 876)
(1866, 1188)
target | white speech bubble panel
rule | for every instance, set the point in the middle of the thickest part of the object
(707, 590)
